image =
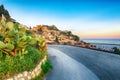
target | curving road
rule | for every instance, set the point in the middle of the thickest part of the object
(74, 63)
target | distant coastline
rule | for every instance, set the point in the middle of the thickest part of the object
(105, 43)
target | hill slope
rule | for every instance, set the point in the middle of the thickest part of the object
(4, 12)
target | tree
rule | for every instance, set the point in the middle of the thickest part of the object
(116, 50)
(69, 33)
(57, 40)
(4, 12)
(76, 38)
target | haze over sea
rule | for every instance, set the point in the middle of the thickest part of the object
(104, 43)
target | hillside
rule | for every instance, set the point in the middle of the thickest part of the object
(50, 32)
(55, 36)
(20, 53)
(4, 12)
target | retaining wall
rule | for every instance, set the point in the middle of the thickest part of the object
(28, 75)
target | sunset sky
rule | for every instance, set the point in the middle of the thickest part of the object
(86, 18)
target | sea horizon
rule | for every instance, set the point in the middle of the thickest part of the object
(104, 43)
(98, 38)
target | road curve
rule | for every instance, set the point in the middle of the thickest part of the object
(74, 63)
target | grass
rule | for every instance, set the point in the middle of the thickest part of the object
(46, 67)
(10, 65)
(20, 49)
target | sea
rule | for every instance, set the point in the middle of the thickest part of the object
(106, 44)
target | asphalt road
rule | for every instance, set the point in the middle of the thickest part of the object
(74, 63)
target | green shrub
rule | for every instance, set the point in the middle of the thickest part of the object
(18, 51)
(14, 39)
(116, 50)
(40, 76)
(10, 65)
(46, 67)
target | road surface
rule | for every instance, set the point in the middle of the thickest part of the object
(74, 63)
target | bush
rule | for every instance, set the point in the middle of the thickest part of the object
(11, 65)
(46, 67)
(14, 39)
(18, 51)
(116, 50)
(40, 76)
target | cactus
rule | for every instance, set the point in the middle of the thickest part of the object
(10, 46)
(7, 40)
(41, 42)
(10, 25)
(3, 20)
(2, 45)
(13, 39)
(32, 41)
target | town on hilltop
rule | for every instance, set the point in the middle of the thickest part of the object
(50, 32)
(55, 36)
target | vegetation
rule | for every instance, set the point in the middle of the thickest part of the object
(76, 38)
(56, 40)
(18, 50)
(52, 27)
(54, 35)
(39, 77)
(10, 65)
(4, 12)
(116, 50)
(46, 67)
(69, 34)
(13, 39)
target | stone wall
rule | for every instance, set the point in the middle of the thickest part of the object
(28, 75)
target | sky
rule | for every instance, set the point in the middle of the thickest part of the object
(86, 18)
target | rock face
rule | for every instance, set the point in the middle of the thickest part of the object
(4, 12)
